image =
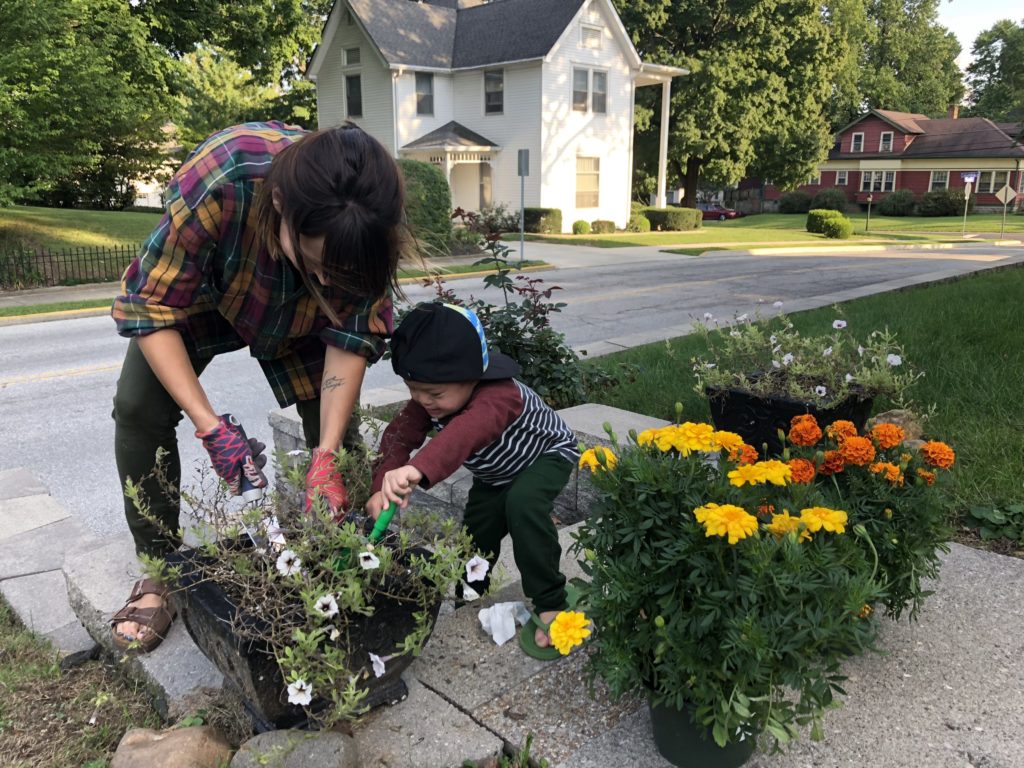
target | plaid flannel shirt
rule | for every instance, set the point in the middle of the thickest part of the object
(203, 272)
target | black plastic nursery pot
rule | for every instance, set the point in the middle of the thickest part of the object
(758, 419)
(250, 667)
(684, 743)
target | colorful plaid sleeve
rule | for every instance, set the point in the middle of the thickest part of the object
(364, 329)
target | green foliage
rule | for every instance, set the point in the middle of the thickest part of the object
(543, 221)
(602, 227)
(837, 228)
(795, 202)
(831, 198)
(993, 523)
(816, 218)
(943, 202)
(581, 227)
(638, 223)
(673, 219)
(996, 75)
(428, 203)
(19, 269)
(898, 203)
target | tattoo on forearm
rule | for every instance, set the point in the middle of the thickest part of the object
(332, 382)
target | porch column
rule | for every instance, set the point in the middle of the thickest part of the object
(666, 101)
(448, 165)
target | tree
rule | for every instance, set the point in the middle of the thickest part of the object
(760, 73)
(996, 76)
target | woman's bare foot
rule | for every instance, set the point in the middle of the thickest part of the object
(130, 630)
(541, 637)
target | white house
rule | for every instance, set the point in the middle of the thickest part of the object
(466, 84)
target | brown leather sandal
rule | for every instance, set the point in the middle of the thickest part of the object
(157, 620)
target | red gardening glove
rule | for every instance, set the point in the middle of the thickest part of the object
(232, 453)
(324, 479)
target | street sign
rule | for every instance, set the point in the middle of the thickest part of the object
(524, 162)
(1006, 194)
(968, 177)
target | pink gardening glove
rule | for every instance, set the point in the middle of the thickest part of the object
(233, 455)
(324, 479)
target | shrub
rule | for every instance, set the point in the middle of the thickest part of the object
(898, 203)
(673, 219)
(543, 221)
(580, 227)
(943, 202)
(496, 218)
(831, 199)
(795, 202)
(602, 227)
(428, 203)
(817, 217)
(839, 228)
(465, 241)
(638, 223)
(144, 209)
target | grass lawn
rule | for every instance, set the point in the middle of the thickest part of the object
(965, 335)
(56, 228)
(987, 223)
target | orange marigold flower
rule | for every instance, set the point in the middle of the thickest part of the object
(887, 435)
(865, 611)
(840, 430)
(833, 463)
(938, 454)
(802, 471)
(804, 430)
(803, 418)
(766, 509)
(928, 477)
(857, 450)
(891, 471)
(745, 454)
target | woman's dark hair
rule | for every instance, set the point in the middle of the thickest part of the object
(343, 185)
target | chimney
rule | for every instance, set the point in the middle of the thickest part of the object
(954, 112)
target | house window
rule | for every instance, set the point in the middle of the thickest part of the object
(939, 180)
(841, 179)
(885, 142)
(424, 93)
(354, 95)
(877, 181)
(857, 142)
(889, 182)
(590, 37)
(599, 97)
(815, 180)
(991, 182)
(588, 181)
(352, 56)
(494, 91)
(579, 89)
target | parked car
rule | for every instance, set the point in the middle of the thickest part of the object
(716, 212)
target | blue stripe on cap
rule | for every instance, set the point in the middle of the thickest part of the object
(475, 322)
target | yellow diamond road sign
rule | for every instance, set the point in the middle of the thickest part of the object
(1006, 194)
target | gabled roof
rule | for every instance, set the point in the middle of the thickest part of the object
(510, 30)
(451, 135)
(946, 138)
(906, 122)
(405, 32)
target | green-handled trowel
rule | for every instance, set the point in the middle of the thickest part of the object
(379, 529)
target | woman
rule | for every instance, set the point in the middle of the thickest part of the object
(275, 239)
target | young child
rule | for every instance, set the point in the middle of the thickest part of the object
(519, 451)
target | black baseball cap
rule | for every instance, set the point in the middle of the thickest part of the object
(440, 343)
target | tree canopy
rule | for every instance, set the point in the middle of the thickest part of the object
(996, 76)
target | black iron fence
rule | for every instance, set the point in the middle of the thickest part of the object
(27, 268)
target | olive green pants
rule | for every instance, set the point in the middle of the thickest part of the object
(145, 419)
(523, 509)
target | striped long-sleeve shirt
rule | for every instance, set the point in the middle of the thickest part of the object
(501, 431)
(204, 273)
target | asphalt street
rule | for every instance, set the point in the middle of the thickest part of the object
(57, 378)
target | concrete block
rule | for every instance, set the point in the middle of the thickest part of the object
(569, 564)
(424, 731)
(25, 513)
(588, 420)
(382, 396)
(40, 600)
(44, 548)
(15, 483)
(287, 429)
(74, 645)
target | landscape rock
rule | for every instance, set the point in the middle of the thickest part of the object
(196, 747)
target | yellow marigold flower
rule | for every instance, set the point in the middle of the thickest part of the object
(664, 438)
(857, 450)
(692, 437)
(747, 473)
(784, 524)
(892, 473)
(887, 435)
(818, 518)
(726, 520)
(592, 459)
(727, 441)
(938, 454)
(928, 477)
(775, 472)
(804, 430)
(569, 629)
(840, 430)
(865, 611)
(802, 471)
(646, 437)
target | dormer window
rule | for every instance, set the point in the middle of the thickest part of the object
(885, 142)
(857, 142)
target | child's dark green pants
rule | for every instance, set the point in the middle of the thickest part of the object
(523, 509)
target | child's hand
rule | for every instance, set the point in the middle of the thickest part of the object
(375, 504)
(398, 484)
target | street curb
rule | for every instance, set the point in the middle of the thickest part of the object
(841, 249)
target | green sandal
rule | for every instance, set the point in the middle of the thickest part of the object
(528, 642)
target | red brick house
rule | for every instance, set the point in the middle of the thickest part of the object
(883, 151)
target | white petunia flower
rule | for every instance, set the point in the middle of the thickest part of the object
(839, 324)
(709, 366)
(893, 360)
(860, 351)
(827, 352)
(469, 594)
(327, 606)
(335, 634)
(849, 378)
(708, 317)
(742, 318)
(378, 665)
(776, 364)
(777, 305)
(820, 391)
(289, 563)
(368, 561)
(735, 334)
(300, 692)
(787, 358)
(275, 535)
(773, 338)
(477, 568)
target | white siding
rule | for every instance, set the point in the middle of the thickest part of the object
(412, 126)
(378, 99)
(568, 134)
